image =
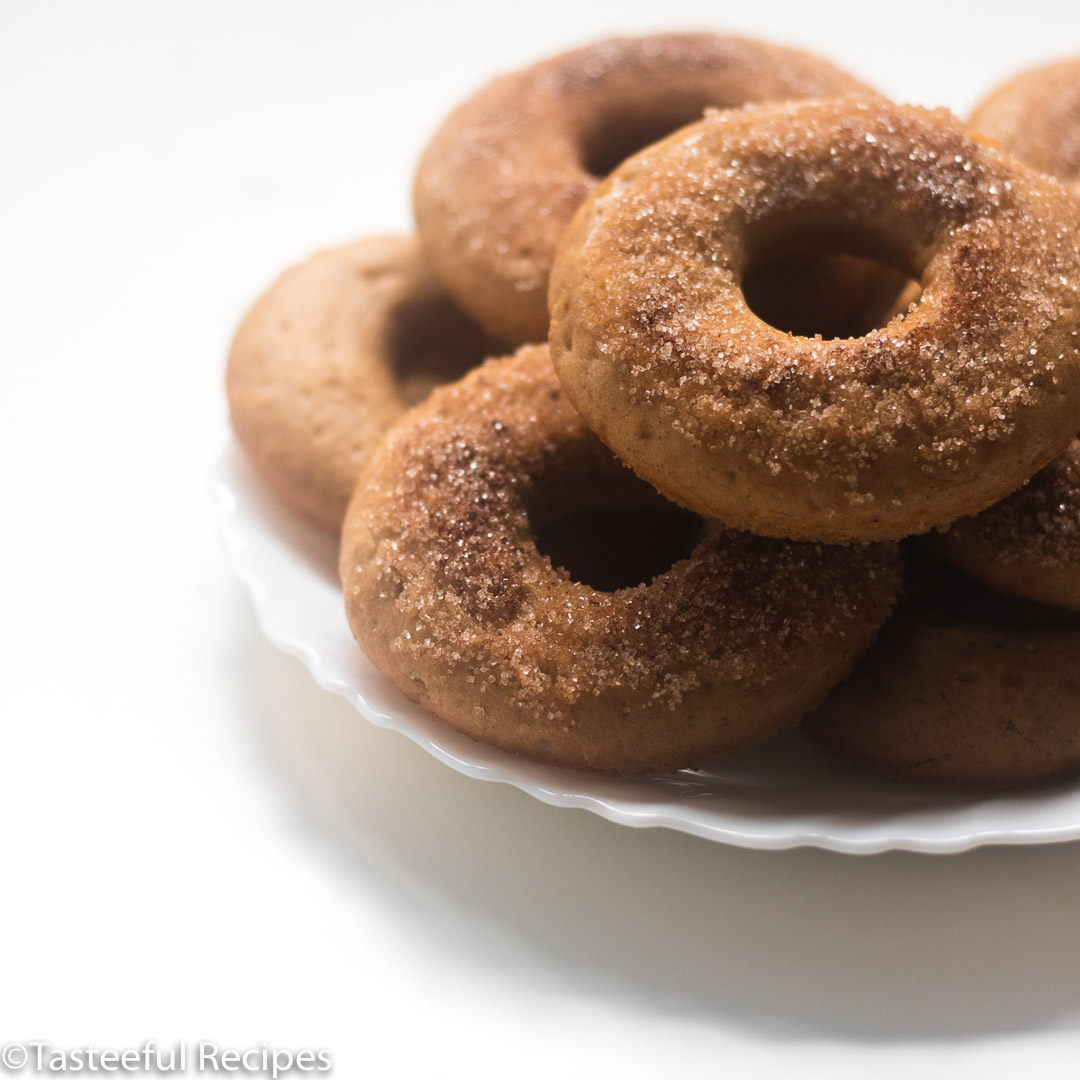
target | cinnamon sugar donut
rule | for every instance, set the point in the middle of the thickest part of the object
(330, 356)
(965, 687)
(448, 594)
(1029, 543)
(504, 173)
(940, 413)
(1036, 117)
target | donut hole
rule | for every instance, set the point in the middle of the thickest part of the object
(615, 533)
(431, 341)
(828, 284)
(624, 129)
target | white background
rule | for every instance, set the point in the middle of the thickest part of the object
(198, 843)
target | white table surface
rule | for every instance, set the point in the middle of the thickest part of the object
(200, 844)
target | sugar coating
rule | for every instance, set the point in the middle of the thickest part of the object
(1029, 543)
(887, 434)
(1039, 524)
(506, 170)
(447, 593)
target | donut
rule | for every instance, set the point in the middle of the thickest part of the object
(328, 359)
(965, 688)
(503, 174)
(1036, 117)
(462, 585)
(1029, 543)
(938, 414)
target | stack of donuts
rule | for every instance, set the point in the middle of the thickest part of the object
(716, 394)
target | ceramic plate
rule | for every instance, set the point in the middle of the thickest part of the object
(788, 792)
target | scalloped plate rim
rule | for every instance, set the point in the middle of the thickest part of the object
(243, 521)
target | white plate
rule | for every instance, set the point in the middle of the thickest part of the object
(788, 792)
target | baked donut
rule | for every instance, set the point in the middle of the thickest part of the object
(939, 414)
(504, 173)
(964, 687)
(330, 356)
(1029, 543)
(448, 593)
(1036, 117)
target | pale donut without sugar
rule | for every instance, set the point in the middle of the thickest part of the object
(1036, 117)
(504, 173)
(939, 414)
(330, 356)
(448, 594)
